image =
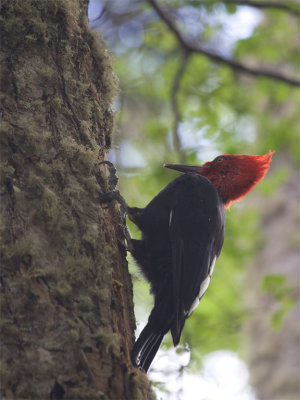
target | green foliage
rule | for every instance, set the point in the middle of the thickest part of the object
(276, 286)
(274, 181)
(220, 111)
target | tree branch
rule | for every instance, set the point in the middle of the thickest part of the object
(235, 65)
(290, 7)
(175, 107)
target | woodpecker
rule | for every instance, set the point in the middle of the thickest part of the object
(182, 236)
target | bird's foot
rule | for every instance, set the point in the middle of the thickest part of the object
(112, 179)
(114, 195)
(129, 245)
(109, 197)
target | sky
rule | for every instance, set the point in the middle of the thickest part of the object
(223, 376)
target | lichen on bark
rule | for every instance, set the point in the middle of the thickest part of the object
(66, 295)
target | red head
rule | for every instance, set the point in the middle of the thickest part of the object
(233, 175)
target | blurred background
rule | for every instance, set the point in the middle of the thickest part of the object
(198, 79)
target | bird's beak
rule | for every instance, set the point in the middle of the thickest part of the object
(195, 169)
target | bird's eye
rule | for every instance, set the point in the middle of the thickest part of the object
(219, 159)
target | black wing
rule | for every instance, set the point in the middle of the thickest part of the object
(196, 228)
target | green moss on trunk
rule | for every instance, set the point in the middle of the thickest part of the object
(67, 328)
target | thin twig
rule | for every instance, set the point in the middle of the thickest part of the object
(291, 8)
(175, 106)
(235, 65)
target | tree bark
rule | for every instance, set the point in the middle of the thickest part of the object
(67, 312)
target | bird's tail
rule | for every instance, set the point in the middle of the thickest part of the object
(176, 329)
(146, 347)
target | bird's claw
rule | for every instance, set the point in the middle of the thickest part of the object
(113, 179)
(129, 245)
(110, 165)
(114, 195)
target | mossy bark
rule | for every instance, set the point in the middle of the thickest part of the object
(67, 313)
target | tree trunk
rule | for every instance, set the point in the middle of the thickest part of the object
(67, 310)
(274, 353)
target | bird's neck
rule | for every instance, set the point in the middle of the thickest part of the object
(233, 188)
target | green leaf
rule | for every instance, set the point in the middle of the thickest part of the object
(275, 285)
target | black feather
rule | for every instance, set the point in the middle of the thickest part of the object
(175, 255)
